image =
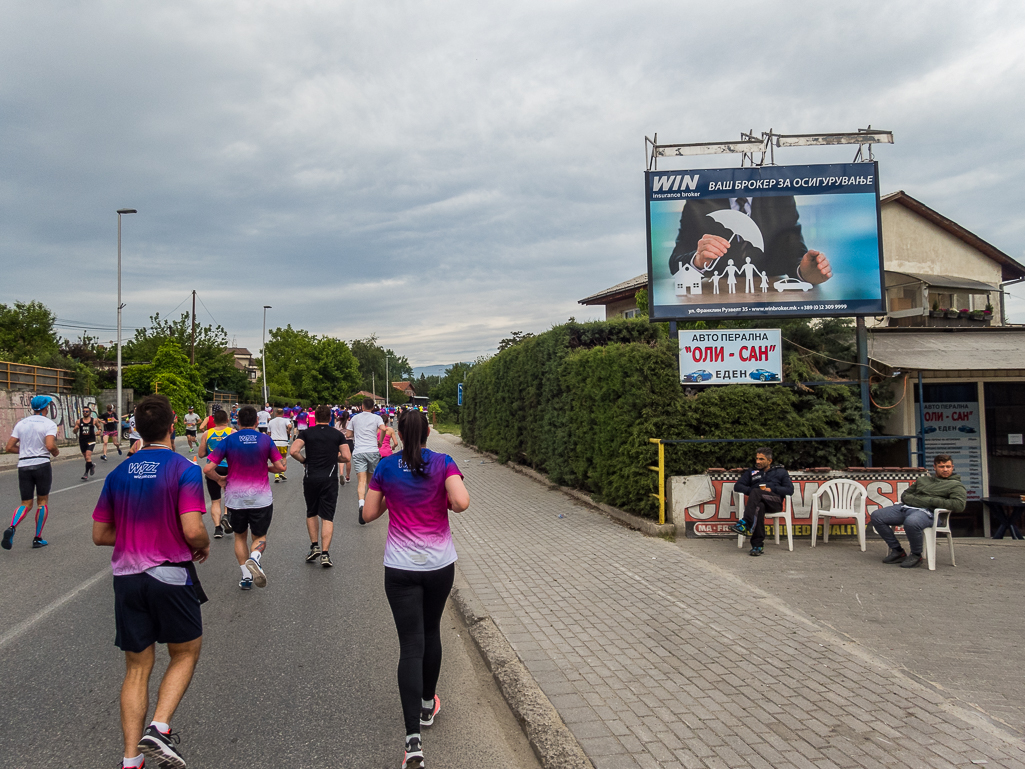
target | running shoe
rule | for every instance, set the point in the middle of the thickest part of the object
(259, 577)
(277, 479)
(119, 451)
(39, 542)
(218, 532)
(8, 538)
(86, 476)
(756, 551)
(226, 524)
(104, 457)
(246, 583)
(427, 714)
(283, 477)
(159, 748)
(314, 553)
(325, 561)
(92, 469)
(741, 528)
(414, 758)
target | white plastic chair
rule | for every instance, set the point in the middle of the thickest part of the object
(930, 536)
(785, 514)
(847, 499)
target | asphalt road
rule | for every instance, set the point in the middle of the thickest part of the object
(299, 674)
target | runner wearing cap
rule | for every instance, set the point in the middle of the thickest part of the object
(85, 429)
(35, 437)
(191, 428)
(110, 422)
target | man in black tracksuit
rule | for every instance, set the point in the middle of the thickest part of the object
(765, 485)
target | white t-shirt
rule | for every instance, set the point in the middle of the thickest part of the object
(31, 432)
(279, 431)
(262, 418)
(133, 434)
(364, 432)
(191, 420)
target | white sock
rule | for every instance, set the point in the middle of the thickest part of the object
(246, 574)
(255, 555)
(133, 762)
(361, 504)
(427, 704)
(161, 727)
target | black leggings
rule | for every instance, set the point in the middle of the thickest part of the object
(417, 600)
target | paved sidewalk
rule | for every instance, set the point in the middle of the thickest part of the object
(657, 658)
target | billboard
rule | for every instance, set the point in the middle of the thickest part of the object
(776, 241)
(731, 356)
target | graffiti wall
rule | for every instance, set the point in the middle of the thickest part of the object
(64, 410)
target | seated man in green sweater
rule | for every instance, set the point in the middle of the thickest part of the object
(915, 513)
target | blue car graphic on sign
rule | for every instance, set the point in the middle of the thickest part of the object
(764, 376)
(965, 429)
(697, 376)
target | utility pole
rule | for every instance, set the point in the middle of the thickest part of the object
(192, 354)
(387, 380)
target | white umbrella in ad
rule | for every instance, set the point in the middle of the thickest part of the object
(741, 225)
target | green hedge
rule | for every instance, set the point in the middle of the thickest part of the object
(581, 401)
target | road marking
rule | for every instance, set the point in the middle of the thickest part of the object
(22, 627)
(80, 485)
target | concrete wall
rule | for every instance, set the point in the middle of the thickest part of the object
(64, 410)
(616, 309)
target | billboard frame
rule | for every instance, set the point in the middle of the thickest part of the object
(655, 317)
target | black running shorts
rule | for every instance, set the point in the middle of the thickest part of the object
(35, 480)
(85, 446)
(214, 487)
(256, 519)
(148, 611)
(321, 497)
(190, 431)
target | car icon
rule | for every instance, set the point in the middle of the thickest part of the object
(786, 283)
(966, 429)
(929, 429)
(762, 375)
(697, 376)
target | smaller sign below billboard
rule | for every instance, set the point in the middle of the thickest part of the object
(731, 356)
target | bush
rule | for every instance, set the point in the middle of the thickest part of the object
(581, 402)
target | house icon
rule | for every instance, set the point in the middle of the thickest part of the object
(687, 279)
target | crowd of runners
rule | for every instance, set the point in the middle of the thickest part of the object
(151, 509)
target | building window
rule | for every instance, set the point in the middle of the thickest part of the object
(631, 313)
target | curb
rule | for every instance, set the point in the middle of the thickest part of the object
(550, 738)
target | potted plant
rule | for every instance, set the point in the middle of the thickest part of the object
(988, 312)
(936, 312)
(976, 315)
(951, 313)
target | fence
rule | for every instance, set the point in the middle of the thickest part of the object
(21, 376)
(661, 443)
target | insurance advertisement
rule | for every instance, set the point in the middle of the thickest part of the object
(733, 356)
(776, 241)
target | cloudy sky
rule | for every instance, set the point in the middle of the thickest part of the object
(443, 173)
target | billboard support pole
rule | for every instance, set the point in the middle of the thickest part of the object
(862, 339)
(674, 336)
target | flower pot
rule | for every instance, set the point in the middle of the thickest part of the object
(954, 314)
(937, 313)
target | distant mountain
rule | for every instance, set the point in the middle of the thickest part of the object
(438, 369)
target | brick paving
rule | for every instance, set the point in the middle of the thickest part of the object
(656, 658)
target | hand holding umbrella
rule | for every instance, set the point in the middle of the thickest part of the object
(713, 247)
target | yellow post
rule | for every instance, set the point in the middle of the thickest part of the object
(661, 470)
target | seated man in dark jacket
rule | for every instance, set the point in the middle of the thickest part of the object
(918, 505)
(765, 485)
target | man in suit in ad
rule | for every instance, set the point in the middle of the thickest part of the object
(703, 241)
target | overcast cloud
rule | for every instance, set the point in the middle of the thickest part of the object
(443, 173)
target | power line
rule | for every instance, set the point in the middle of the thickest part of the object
(207, 310)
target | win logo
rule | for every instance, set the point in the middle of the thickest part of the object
(674, 183)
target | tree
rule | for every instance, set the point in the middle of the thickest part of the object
(27, 334)
(311, 369)
(446, 391)
(173, 376)
(372, 369)
(515, 339)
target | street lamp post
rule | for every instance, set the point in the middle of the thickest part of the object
(120, 306)
(263, 353)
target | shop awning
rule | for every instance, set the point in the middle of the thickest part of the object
(954, 349)
(940, 281)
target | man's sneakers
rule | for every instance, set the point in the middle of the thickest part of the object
(8, 539)
(86, 476)
(218, 532)
(119, 451)
(427, 714)
(39, 542)
(314, 554)
(414, 758)
(325, 560)
(913, 560)
(741, 527)
(895, 556)
(341, 480)
(92, 469)
(226, 524)
(277, 479)
(159, 749)
(259, 578)
(103, 457)
(757, 551)
(246, 583)
(283, 478)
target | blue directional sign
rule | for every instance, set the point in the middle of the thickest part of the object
(459, 394)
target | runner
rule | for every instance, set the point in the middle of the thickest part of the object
(387, 439)
(207, 443)
(135, 440)
(247, 494)
(342, 424)
(151, 513)
(85, 429)
(324, 445)
(417, 487)
(234, 416)
(280, 430)
(365, 427)
(191, 428)
(110, 424)
(35, 438)
(302, 420)
(262, 419)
